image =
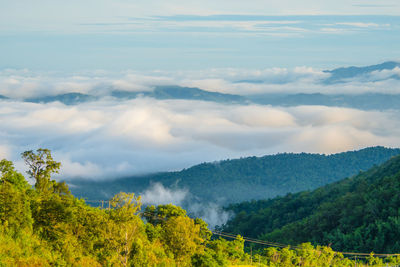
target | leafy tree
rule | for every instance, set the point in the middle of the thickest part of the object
(124, 226)
(14, 201)
(161, 213)
(182, 238)
(10, 175)
(41, 165)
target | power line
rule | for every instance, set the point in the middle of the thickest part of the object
(258, 241)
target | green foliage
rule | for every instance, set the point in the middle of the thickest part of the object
(41, 165)
(306, 255)
(15, 210)
(357, 214)
(48, 226)
(9, 175)
(161, 213)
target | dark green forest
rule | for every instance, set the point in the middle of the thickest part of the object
(231, 181)
(360, 213)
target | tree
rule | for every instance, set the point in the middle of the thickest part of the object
(9, 175)
(161, 213)
(14, 204)
(124, 227)
(183, 239)
(41, 165)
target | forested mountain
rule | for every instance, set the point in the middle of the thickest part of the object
(45, 225)
(231, 181)
(360, 213)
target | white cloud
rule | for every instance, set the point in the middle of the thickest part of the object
(384, 74)
(158, 194)
(107, 139)
(4, 151)
(77, 169)
(332, 30)
(23, 15)
(362, 24)
(211, 213)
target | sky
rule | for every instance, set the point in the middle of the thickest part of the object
(180, 35)
(92, 47)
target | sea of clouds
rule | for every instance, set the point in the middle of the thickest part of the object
(110, 137)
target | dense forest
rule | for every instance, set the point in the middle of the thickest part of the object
(45, 225)
(231, 181)
(359, 213)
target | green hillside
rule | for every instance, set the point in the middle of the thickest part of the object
(45, 225)
(237, 180)
(360, 213)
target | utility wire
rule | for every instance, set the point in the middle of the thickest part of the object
(258, 241)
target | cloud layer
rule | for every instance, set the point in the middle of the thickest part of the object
(22, 84)
(110, 137)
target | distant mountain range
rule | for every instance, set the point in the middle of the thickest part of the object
(360, 213)
(344, 74)
(159, 92)
(67, 99)
(177, 92)
(366, 101)
(341, 74)
(231, 181)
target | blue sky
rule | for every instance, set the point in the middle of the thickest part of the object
(181, 35)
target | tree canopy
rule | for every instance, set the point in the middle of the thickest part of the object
(45, 225)
(360, 213)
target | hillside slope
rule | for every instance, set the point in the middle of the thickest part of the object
(231, 181)
(360, 213)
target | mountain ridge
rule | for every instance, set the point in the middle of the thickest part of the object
(340, 74)
(236, 180)
(357, 213)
